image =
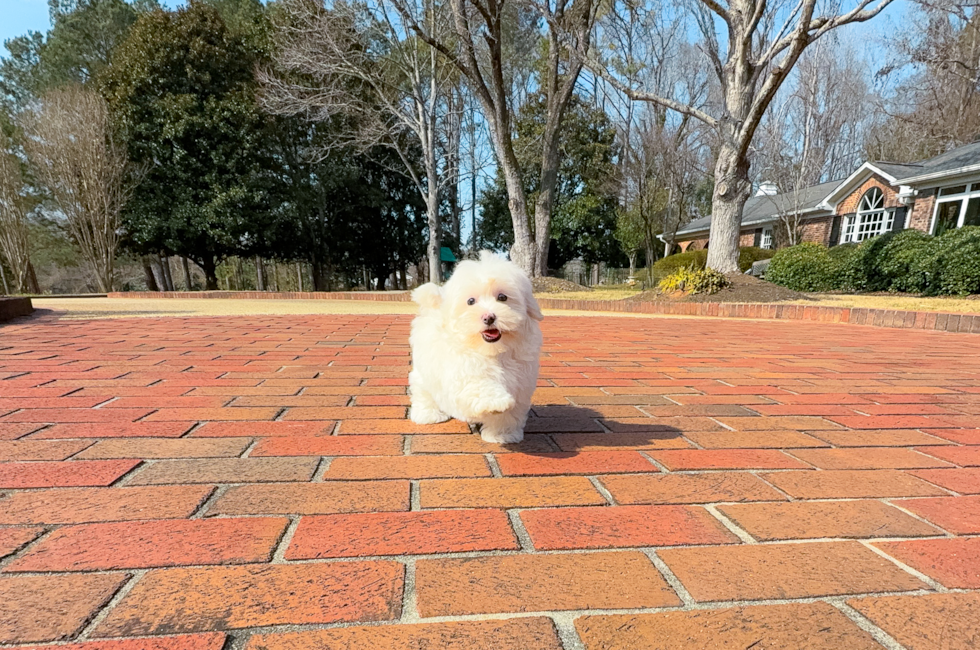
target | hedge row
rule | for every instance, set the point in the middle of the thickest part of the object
(908, 261)
(697, 260)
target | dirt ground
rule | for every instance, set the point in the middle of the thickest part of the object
(556, 285)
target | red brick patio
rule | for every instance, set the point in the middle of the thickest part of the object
(252, 483)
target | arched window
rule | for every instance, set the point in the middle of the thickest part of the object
(871, 218)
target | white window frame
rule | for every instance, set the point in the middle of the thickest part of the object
(871, 219)
(765, 241)
(973, 192)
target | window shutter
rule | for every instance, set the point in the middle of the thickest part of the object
(757, 238)
(835, 231)
(899, 222)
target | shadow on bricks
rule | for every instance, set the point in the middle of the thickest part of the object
(580, 428)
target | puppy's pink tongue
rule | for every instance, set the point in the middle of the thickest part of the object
(491, 336)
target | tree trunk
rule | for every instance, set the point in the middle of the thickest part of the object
(259, 274)
(522, 253)
(151, 281)
(210, 269)
(453, 146)
(546, 195)
(3, 276)
(168, 279)
(239, 274)
(732, 190)
(157, 269)
(275, 276)
(32, 284)
(299, 275)
(632, 256)
(434, 249)
(188, 285)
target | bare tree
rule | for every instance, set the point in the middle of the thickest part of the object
(935, 102)
(762, 43)
(83, 168)
(478, 48)
(813, 131)
(661, 151)
(14, 240)
(360, 63)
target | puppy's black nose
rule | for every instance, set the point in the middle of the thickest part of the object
(488, 319)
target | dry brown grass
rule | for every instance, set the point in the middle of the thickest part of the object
(904, 303)
(596, 294)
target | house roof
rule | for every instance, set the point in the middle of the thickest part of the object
(965, 159)
(956, 161)
(886, 170)
(767, 208)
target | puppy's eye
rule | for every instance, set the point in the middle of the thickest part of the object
(501, 297)
(471, 301)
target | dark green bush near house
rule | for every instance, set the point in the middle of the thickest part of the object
(697, 260)
(898, 263)
(909, 261)
(672, 263)
(843, 257)
(804, 267)
(864, 272)
(955, 266)
(750, 254)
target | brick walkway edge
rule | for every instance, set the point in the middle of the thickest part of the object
(893, 318)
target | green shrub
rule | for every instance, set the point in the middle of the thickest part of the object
(750, 254)
(954, 269)
(805, 267)
(864, 272)
(693, 281)
(899, 261)
(698, 259)
(673, 263)
(907, 261)
(843, 257)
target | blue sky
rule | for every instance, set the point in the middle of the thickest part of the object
(17, 17)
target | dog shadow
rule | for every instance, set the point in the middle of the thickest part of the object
(567, 430)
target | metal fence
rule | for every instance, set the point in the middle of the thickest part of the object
(586, 275)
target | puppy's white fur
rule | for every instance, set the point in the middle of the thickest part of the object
(456, 371)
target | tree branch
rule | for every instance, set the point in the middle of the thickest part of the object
(640, 96)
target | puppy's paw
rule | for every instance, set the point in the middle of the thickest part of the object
(426, 416)
(497, 403)
(501, 437)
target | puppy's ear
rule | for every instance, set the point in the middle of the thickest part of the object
(428, 296)
(532, 308)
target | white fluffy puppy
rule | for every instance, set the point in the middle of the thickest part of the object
(475, 346)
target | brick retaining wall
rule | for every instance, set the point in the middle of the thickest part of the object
(962, 323)
(14, 307)
(383, 296)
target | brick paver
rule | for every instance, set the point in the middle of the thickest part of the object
(814, 626)
(926, 622)
(208, 641)
(253, 482)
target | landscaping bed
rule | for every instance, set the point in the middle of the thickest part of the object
(741, 288)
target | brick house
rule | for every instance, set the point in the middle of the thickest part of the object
(933, 196)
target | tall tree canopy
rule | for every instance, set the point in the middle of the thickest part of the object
(183, 89)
